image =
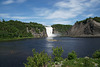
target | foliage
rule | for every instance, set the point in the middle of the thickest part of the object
(43, 60)
(79, 62)
(96, 54)
(17, 29)
(61, 28)
(72, 55)
(38, 59)
(84, 21)
(57, 52)
(37, 27)
(97, 19)
(87, 62)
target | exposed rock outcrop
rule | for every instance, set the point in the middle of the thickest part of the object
(38, 34)
(87, 28)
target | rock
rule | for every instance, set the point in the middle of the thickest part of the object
(87, 28)
(39, 34)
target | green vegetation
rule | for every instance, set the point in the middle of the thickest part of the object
(72, 55)
(61, 28)
(11, 29)
(43, 60)
(94, 18)
(38, 59)
(81, 62)
(97, 19)
(96, 54)
(57, 52)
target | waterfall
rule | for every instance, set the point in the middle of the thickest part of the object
(49, 31)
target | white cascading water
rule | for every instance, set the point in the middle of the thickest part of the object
(49, 31)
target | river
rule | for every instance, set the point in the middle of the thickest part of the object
(14, 53)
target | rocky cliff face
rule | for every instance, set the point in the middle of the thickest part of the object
(87, 28)
(38, 34)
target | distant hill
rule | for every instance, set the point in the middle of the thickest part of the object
(16, 29)
(61, 29)
(89, 27)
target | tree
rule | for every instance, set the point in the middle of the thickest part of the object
(57, 52)
(61, 28)
(18, 29)
(96, 54)
(38, 59)
(72, 55)
(3, 20)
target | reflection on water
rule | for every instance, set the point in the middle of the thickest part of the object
(50, 39)
(49, 48)
(49, 45)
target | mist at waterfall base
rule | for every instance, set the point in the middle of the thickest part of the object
(49, 31)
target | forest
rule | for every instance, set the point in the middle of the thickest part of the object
(61, 28)
(16, 29)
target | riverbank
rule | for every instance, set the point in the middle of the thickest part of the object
(18, 38)
(85, 36)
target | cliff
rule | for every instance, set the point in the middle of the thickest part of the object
(87, 28)
(37, 34)
(37, 30)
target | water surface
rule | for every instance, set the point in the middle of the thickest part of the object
(14, 53)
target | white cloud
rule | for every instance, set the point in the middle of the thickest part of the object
(4, 15)
(42, 11)
(61, 22)
(61, 14)
(21, 17)
(15, 17)
(12, 1)
(20, 1)
(18, 17)
(8, 2)
(67, 9)
(89, 15)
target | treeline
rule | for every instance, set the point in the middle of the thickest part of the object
(61, 28)
(94, 18)
(17, 29)
(42, 59)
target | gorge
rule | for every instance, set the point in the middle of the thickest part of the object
(12, 30)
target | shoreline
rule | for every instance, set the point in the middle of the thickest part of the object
(12, 39)
(82, 36)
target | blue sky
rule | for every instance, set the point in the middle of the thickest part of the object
(49, 12)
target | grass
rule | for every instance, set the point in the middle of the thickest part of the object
(17, 38)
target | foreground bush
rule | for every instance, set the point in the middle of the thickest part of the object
(72, 55)
(38, 59)
(43, 60)
(96, 54)
(57, 52)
